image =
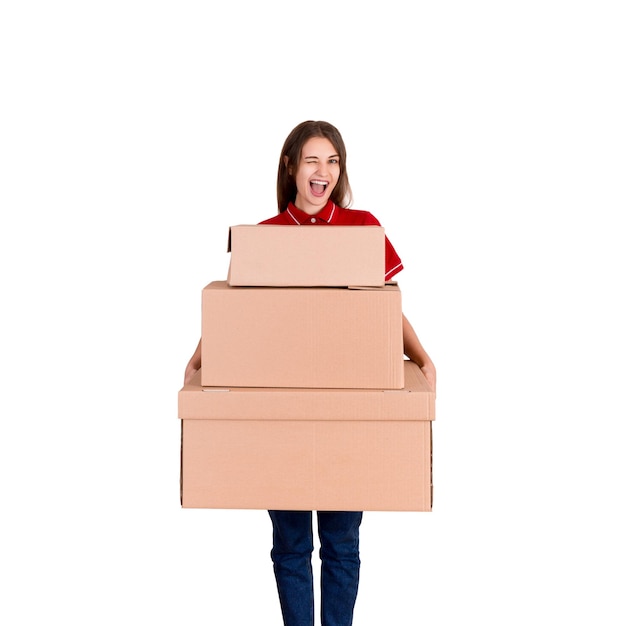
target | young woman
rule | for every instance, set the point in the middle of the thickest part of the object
(313, 189)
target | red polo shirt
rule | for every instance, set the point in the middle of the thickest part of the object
(336, 215)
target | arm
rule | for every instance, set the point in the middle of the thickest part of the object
(414, 350)
(194, 363)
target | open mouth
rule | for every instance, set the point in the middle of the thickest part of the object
(318, 187)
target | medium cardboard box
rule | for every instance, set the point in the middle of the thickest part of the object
(302, 337)
(268, 255)
(317, 449)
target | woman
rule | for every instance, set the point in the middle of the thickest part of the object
(313, 189)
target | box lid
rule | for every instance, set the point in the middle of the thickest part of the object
(416, 401)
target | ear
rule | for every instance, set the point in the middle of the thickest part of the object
(286, 162)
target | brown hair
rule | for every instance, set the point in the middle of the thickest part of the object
(292, 149)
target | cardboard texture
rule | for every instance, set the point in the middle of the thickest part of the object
(302, 337)
(313, 453)
(332, 256)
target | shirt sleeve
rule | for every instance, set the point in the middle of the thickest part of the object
(393, 263)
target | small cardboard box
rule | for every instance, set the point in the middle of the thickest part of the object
(302, 337)
(268, 255)
(308, 449)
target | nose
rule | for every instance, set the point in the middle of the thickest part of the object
(322, 168)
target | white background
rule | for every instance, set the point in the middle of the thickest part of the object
(489, 139)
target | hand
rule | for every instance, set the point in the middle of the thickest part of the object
(428, 369)
(190, 370)
(195, 362)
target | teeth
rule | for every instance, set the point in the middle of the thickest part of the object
(319, 182)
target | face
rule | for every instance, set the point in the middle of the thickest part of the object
(317, 175)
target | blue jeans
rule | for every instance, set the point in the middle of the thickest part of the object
(339, 553)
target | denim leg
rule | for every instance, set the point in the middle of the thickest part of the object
(291, 555)
(339, 552)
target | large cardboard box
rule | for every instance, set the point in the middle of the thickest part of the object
(308, 449)
(301, 337)
(270, 255)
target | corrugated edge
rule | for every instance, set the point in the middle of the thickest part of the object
(431, 468)
(182, 422)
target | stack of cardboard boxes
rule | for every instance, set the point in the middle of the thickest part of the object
(304, 400)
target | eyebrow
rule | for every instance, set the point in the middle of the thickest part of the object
(313, 156)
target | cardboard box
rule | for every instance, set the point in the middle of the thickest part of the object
(268, 255)
(330, 449)
(302, 337)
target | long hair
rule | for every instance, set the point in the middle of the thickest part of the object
(292, 149)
